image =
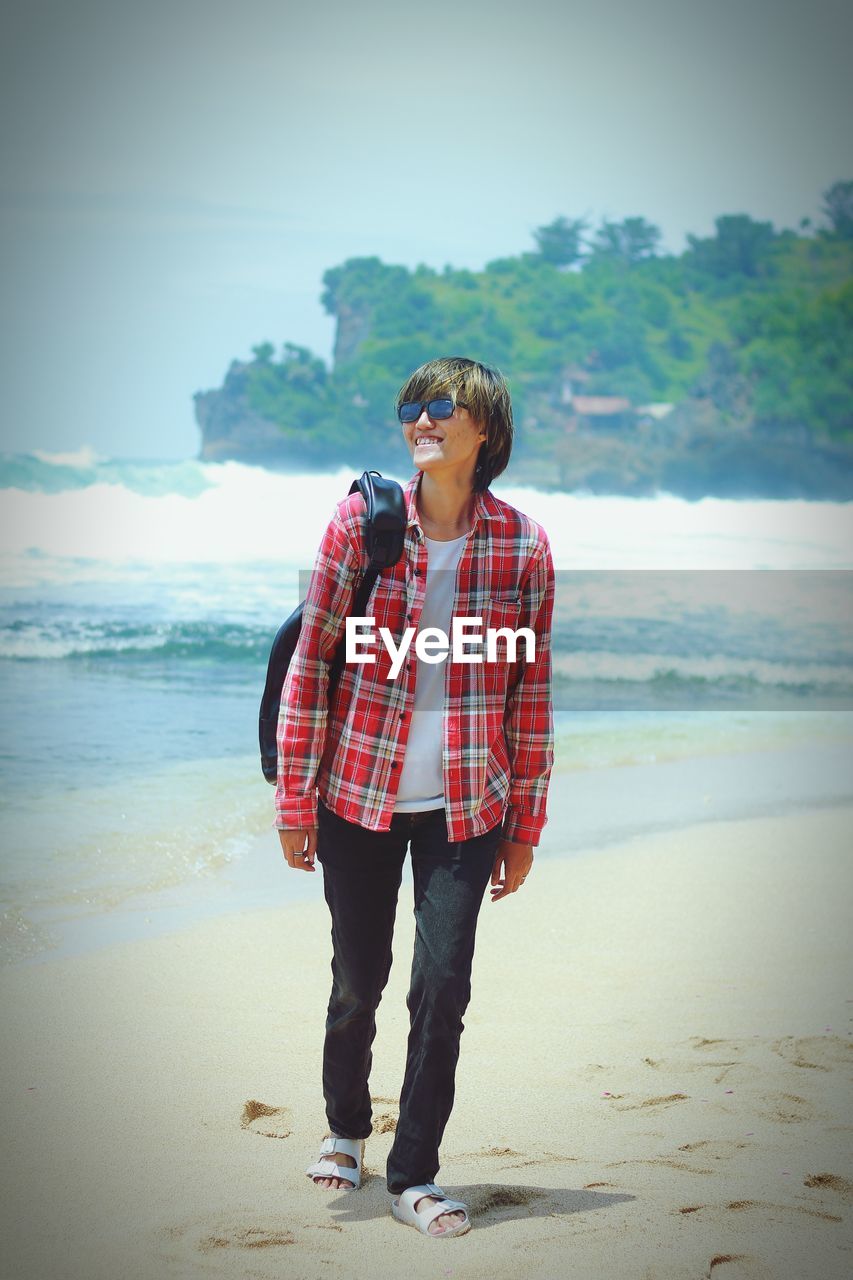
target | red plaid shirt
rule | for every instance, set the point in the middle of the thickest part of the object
(498, 734)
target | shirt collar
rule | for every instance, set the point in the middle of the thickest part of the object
(486, 506)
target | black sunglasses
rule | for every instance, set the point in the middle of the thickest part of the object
(438, 409)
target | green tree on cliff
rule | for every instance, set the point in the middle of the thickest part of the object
(629, 241)
(838, 208)
(741, 248)
(561, 241)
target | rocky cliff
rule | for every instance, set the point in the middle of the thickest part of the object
(230, 429)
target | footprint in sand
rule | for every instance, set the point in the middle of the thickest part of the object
(816, 1053)
(833, 1182)
(212, 1234)
(738, 1206)
(737, 1266)
(722, 1057)
(245, 1238)
(744, 1206)
(723, 1266)
(515, 1159)
(654, 1102)
(706, 1149)
(722, 1070)
(386, 1121)
(715, 1149)
(723, 1053)
(786, 1108)
(547, 1157)
(660, 1162)
(269, 1122)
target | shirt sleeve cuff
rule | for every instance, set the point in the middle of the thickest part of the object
(523, 828)
(295, 812)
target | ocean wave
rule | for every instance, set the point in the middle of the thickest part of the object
(197, 641)
(224, 514)
(678, 670)
(78, 507)
(54, 473)
(85, 456)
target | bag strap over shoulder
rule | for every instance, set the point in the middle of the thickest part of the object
(385, 533)
(386, 518)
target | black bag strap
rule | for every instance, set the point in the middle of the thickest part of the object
(385, 533)
(385, 536)
(386, 518)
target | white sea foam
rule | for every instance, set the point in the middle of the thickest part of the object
(590, 531)
(720, 669)
(84, 457)
(247, 514)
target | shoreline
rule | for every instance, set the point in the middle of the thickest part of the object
(653, 1076)
(650, 799)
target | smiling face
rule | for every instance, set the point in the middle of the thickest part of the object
(477, 438)
(446, 445)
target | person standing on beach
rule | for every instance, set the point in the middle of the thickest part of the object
(448, 757)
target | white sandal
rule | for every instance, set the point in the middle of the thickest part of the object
(403, 1209)
(322, 1168)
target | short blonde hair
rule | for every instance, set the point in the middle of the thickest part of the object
(484, 393)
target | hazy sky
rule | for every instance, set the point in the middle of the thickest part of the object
(177, 176)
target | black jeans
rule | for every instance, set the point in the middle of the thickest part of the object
(362, 871)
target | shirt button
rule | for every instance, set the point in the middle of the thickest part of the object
(393, 764)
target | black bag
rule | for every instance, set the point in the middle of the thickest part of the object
(384, 537)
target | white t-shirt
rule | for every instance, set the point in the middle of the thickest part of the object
(421, 778)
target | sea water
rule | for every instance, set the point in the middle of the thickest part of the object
(138, 601)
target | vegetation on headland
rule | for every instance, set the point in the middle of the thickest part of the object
(726, 368)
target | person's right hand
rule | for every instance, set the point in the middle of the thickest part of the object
(299, 845)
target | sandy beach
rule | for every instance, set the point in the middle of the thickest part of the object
(654, 1082)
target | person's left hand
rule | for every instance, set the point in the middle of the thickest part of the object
(516, 860)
